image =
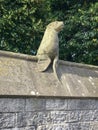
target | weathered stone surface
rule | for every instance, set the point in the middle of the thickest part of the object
(67, 126)
(94, 104)
(35, 104)
(79, 126)
(74, 104)
(23, 128)
(54, 127)
(58, 104)
(84, 104)
(85, 115)
(19, 76)
(94, 126)
(27, 128)
(7, 120)
(48, 114)
(33, 118)
(12, 104)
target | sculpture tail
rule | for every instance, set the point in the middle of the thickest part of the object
(55, 66)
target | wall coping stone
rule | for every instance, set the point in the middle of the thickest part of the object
(19, 77)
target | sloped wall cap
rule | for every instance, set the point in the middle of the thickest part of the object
(19, 76)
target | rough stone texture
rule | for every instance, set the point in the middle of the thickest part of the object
(19, 76)
(12, 105)
(48, 114)
(7, 120)
(44, 111)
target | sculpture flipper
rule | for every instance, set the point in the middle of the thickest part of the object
(43, 63)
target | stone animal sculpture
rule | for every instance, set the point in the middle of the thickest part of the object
(48, 51)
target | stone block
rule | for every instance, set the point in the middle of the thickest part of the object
(85, 126)
(33, 118)
(54, 127)
(72, 116)
(94, 104)
(34, 104)
(94, 115)
(7, 120)
(23, 128)
(79, 104)
(85, 115)
(79, 126)
(56, 104)
(58, 117)
(12, 104)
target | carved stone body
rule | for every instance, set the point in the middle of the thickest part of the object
(48, 50)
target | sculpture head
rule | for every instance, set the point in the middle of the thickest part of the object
(56, 25)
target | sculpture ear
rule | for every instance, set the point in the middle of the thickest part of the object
(43, 63)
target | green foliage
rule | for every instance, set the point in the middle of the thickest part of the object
(22, 24)
(81, 34)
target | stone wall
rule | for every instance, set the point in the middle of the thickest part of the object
(48, 114)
